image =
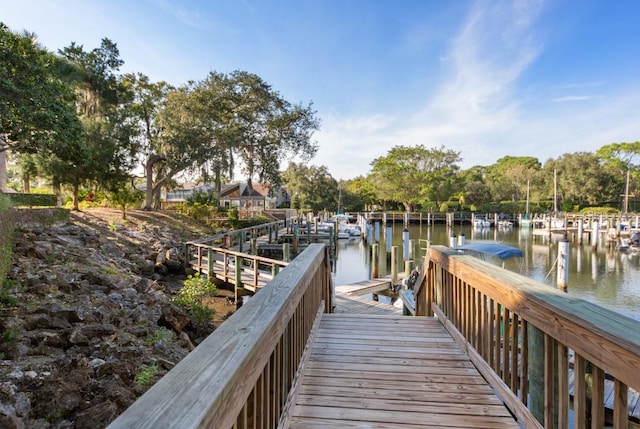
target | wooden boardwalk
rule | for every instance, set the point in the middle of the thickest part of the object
(371, 367)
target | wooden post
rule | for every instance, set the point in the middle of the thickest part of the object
(580, 230)
(405, 244)
(238, 262)
(295, 239)
(377, 233)
(594, 234)
(254, 246)
(286, 252)
(563, 264)
(389, 238)
(240, 241)
(275, 269)
(394, 265)
(210, 273)
(374, 260)
(536, 373)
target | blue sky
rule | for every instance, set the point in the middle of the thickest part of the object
(486, 78)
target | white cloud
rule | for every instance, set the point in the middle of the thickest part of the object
(566, 98)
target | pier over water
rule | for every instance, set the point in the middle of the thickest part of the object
(488, 348)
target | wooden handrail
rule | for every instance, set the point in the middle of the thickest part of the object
(518, 326)
(242, 373)
(256, 230)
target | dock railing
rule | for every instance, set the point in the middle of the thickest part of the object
(541, 349)
(238, 237)
(236, 268)
(240, 375)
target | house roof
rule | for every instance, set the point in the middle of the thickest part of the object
(241, 190)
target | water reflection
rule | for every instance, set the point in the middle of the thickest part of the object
(604, 276)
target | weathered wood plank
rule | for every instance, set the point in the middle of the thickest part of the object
(370, 373)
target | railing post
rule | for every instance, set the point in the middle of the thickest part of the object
(238, 262)
(286, 252)
(374, 261)
(536, 372)
(210, 261)
(394, 265)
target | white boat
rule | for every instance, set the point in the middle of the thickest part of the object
(505, 224)
(480, 223)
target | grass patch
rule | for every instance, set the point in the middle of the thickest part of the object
(145, 375)
(162, 334)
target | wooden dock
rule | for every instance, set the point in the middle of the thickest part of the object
(391, 371)
(365, 287)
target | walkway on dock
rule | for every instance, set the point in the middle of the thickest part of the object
(375, 368)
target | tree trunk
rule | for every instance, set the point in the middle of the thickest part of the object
(26, 183)
(76, 202)
(156, 198)
(3, 165)
(149, 192)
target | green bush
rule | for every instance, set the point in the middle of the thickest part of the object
(6, 238)
(599, 210)
(203, 198)
(125, 198)
(195, 288)
(33, 200)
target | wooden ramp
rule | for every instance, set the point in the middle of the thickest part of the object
(365, 287)
(352, 304)
(374, 371)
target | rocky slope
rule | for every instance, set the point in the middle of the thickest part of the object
(92, 325)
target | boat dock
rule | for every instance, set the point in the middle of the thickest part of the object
(361, 372)
(488, 348)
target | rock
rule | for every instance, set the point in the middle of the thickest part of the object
(94, 297)
(174, 318)
(102, 412)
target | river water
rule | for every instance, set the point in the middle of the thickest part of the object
(605, 276)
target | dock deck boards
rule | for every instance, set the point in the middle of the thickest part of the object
(365, 287)
(391, 371)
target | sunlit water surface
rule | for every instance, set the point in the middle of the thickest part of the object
(605, 276)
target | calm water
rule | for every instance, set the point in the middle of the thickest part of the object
(606, 276)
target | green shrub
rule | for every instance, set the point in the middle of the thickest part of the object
(599, 210)
(10, 336)
(203, 198)
(33, 200)
(6, 238)
(125, 198)
(195, 288)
